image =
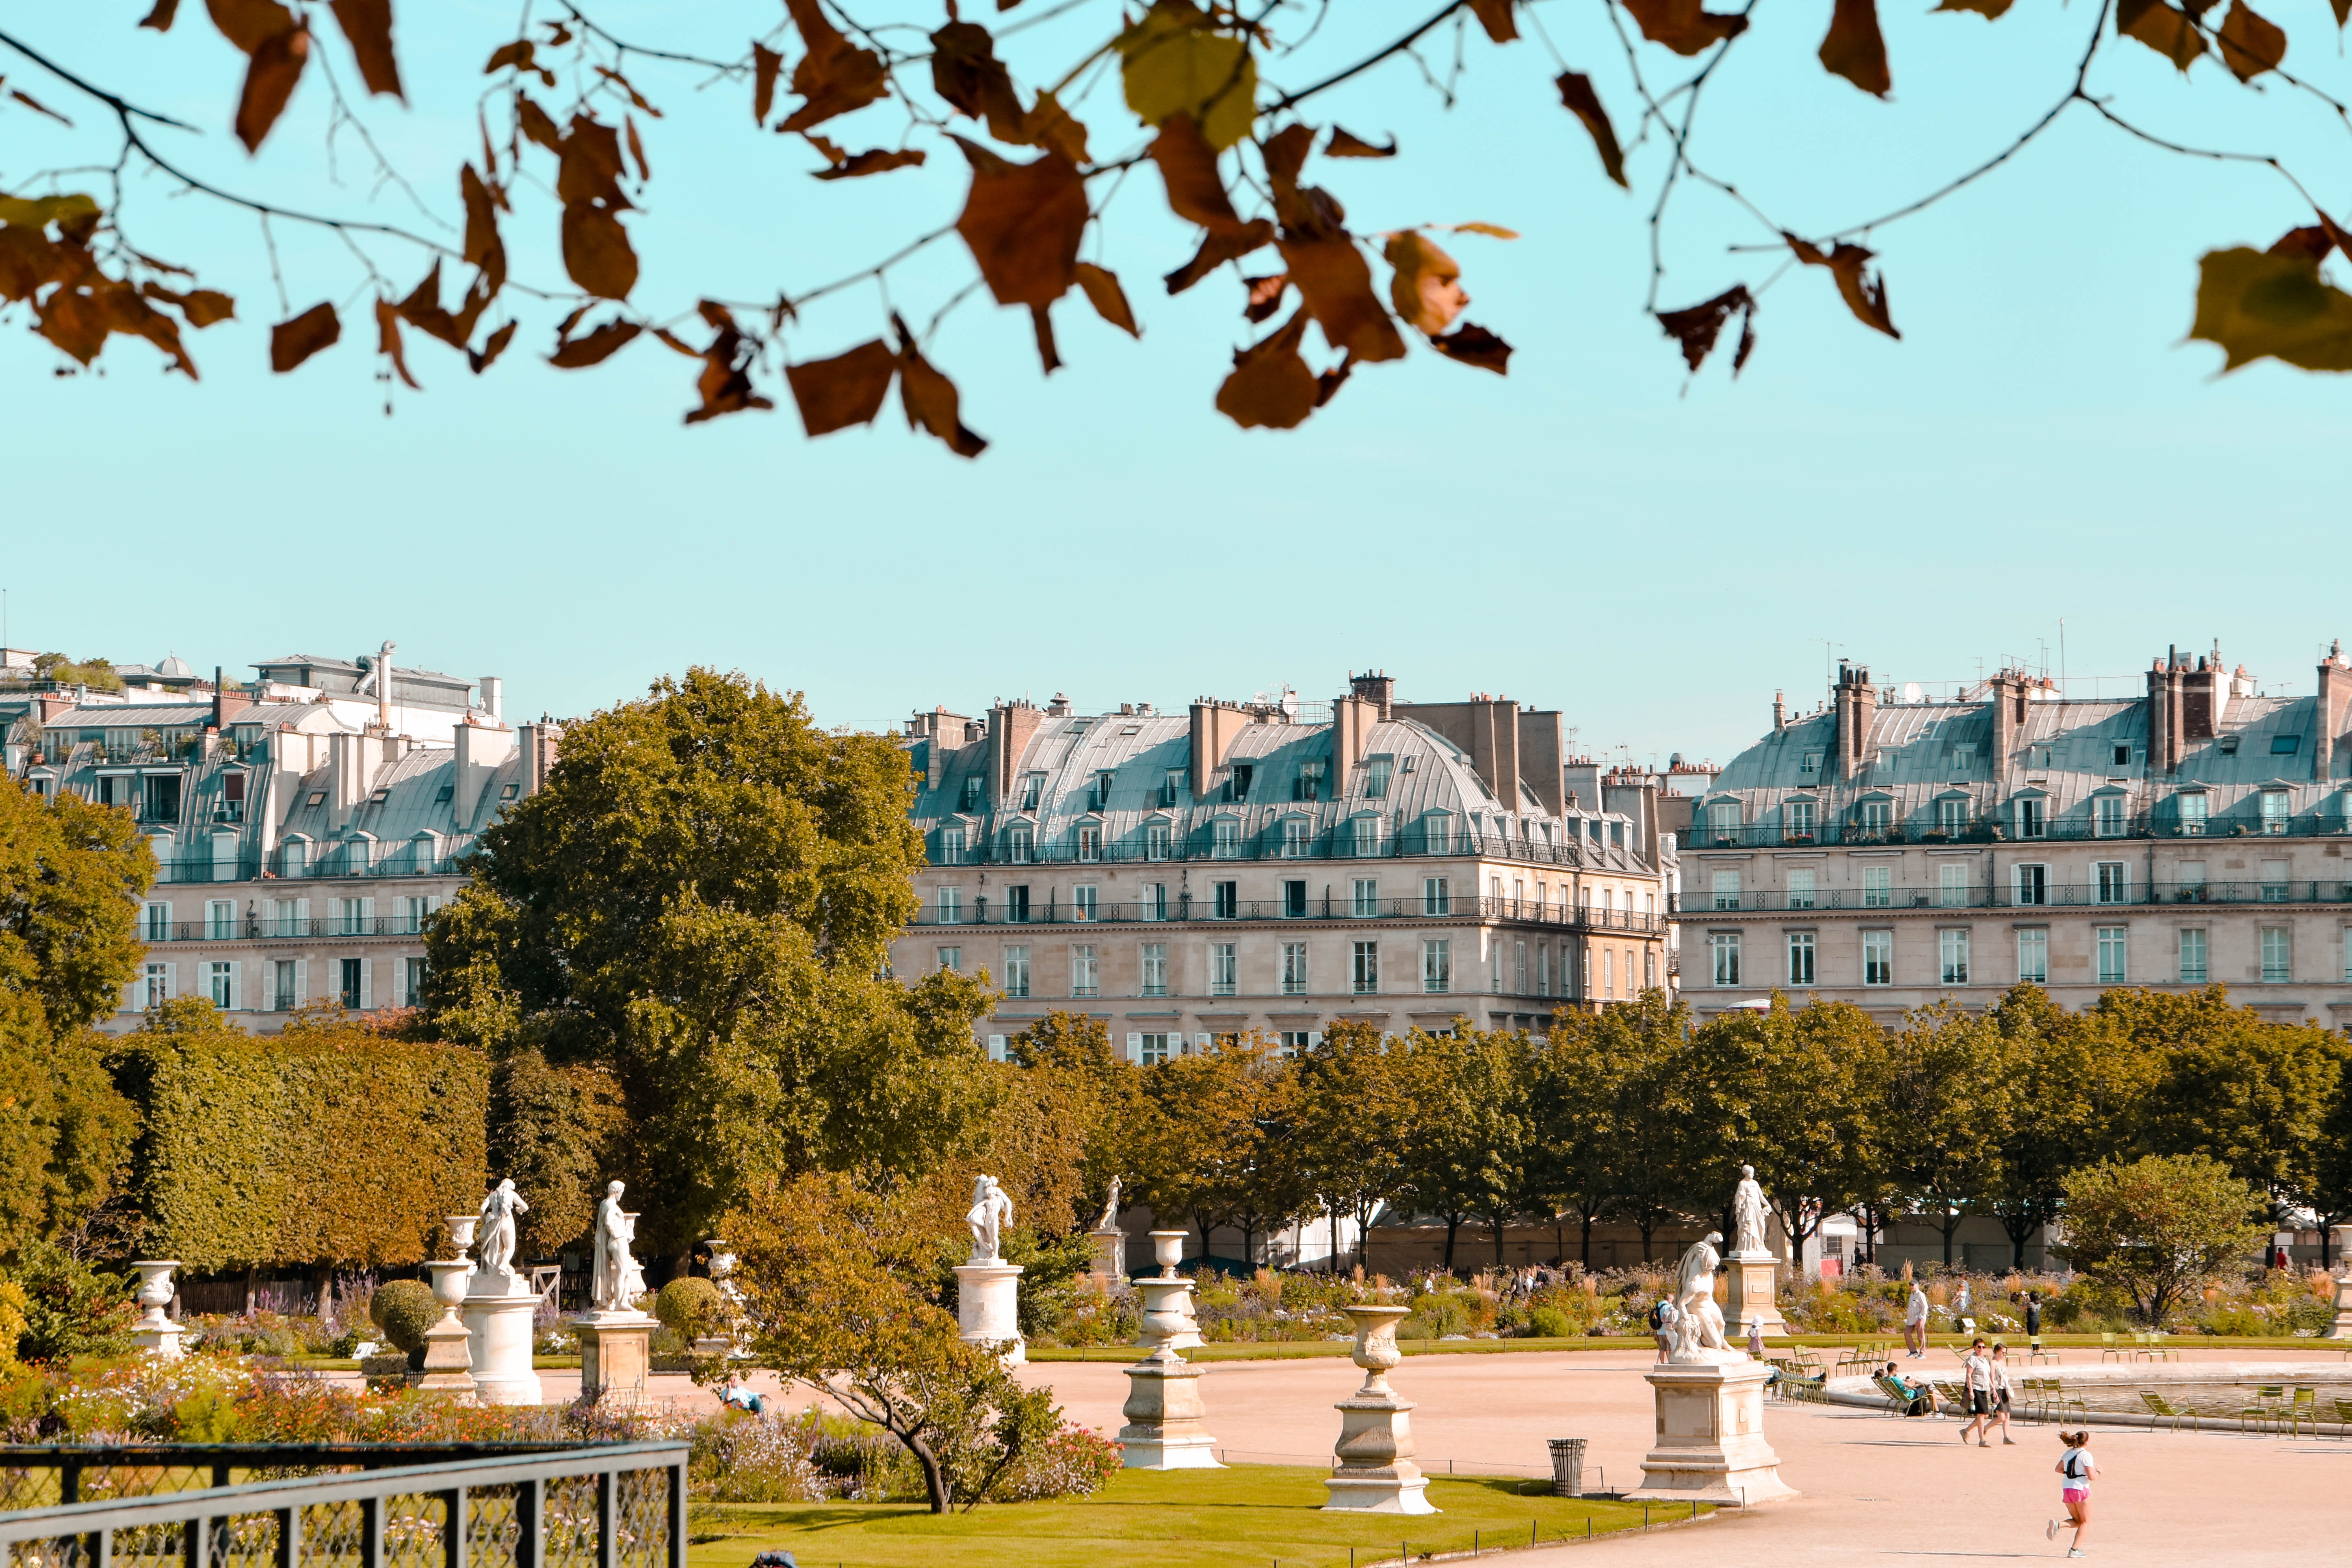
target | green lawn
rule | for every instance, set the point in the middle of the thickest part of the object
(1290, 1350)
(1250, 1516)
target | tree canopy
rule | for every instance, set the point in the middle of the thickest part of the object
(2159, 1227)
(1039, 132)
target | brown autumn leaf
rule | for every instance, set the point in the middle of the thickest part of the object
(2249, 44)
(1426, 286)
(1344, 143)
(1285, 153)
(1685, 27)
(2311, 243)
(876, 160)
(2343, 9)
(1697, 327)
(635, 98)
(1474, 345)
(201, 307)
(517, 53)
(127, 313)
(1866, 296)
(1216, 249)
(835, 76)
(1576, 92)
(1022, 223)
(1264, 296)
(1336, 282)
(1270, 386)
(1048, 124)
(295, 340)
(1189, 167)
(1041, 317)
(2335, 231)
(2255, 304)
(36, 106)
(29, 262)
(966, 72)
(637, 148)
(1495, 16)
(387, 339)
(725, 383)
(250, 24)
(367, 27)
(1854, 47)
(596, 251)
(1328, 383)
(484, 250)
(492, 347)
(578, 354)
(2161, 27)
(160, 18)
(269, 79)
(1991, 10)
(588, 165)
(766, 66)
(536, 125)
(75, 320)
(1107, 297)
(845, 390)
(930, 399)
(423, 308)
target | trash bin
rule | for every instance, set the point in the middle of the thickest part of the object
(1568, 1466)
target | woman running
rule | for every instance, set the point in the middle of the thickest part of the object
(2076, 1469)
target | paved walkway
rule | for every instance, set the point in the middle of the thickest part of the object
(1875, 1489)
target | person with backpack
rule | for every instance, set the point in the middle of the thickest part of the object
(1663, 1318)
(2076, 1470)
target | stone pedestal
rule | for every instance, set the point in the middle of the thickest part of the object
(154, 1332)
(1752, 1290)
(988, 1309)
(2343, 1329)
(1109, 1268)
(1163, 1413)
(1168, 1250)
(499, 1311)
(448, 1358)
(615, 1355)
(1376, 1473)
(1710, 1443)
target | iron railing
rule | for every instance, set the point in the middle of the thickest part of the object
(269, 928)
(1846, 830)
(1273, 843)
(617, 1506)
(399, 860)
(2051, 895)
(1336, 906)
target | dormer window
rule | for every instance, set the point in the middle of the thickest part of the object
(2191, 806)
(2277, 807)
(1089, 841)
(2107, 818)
(1964, 754)
(1877, 816)
(1796, 818)
(1811, 765)
(1099, 793)
(2033, 821)
(1033, 789)
(1308, 785)
(1018, 844)
(1376, 778)
(2284, 745)
(1171, 785)
(972, 785)
(1237, 782)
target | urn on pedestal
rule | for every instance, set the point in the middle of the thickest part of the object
(154, 1332)
(2343, 1326)
(1376, 1473)
(1167, 1251)
(448, 1361)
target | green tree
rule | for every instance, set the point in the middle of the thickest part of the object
(2082, 1094)
(1352, 1122)
(557, 1132)
(1653, 1119)
(701, 899)
(1465, 1135)
(2158, 1227)
(2328, 1194)
(97, 674)
(1951, 1103)
(2252, 1093)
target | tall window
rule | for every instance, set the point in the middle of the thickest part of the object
(1437, 966)
(1082, 970)
(1033, 787)
(2192, 958)
(350, 919)
(1951, 816)
(2033, 884)
(220, 984)
(1224, 838)
(1294, 900)
(951, 846)
(2033, 955)
(1308, 786)
(1801, 958)
(974, 784)
(1543, 969)
(1365, 974)
(2114, 966)
(1099, 793)
(1609, 972)
(1877, 816)
(2192, 814)
(2189, 881)
(1225, 901)
(1877, 887)
(2108, 816)
(1155, 841)
(1016, 971)
(1723, 946)
(1878, 957)
(951, 906)
(1727, 890)
(1952, 885)
(1723, 821)
(1017, 902)
(1801, 888)
(1297, 835)
(1171, 785)
(2275, 955)
(1152, 901)
(1224, 971)
(1952, 957)
(1368, 898)
(354, 986)
(1155, 969)
(1089, 842)
(1017, 844)
(2347, 953)
(415, 978)
(1238, 779)
(951, 961)
(2277, 806)
(220, 919)
(159, 984)
(413, 911)
(155, 924)
(1435, 899)
(2113, 882)
(1799, 817)
(282, 993)
(2030, 820)
(1376, 779)
(1520, 968)
(2274, 884)
(1083, 904)
(1367, 834)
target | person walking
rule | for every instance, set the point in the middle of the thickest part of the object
(1975, 1384)
(2033, 1319)
(2005, 1393)
(2076, 1470)
(1755, 1337)
(1960, 1303)
(1915, 1321)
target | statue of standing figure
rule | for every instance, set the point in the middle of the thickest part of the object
(1748, 1213)
(1110, 1220)
(1700, 1327)
(617, 1281)
(498, 1215)
(991, 1212)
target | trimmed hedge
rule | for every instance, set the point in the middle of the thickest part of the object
(403, 1309)
(328, 1143)
(689, 1306)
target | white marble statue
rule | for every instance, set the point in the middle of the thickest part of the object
(1110, 1220)
(1747, 1216)
(617, 1281)
(1700, 1329)
(498, 1217)
(991, 1212)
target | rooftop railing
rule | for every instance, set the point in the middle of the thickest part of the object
(1337, 907)
(2075, 827)
(270, 928)
(1329, 844)
(2051, 895)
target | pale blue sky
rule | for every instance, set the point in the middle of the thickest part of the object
(1587, 534)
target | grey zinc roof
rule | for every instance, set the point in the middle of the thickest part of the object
(133, 716)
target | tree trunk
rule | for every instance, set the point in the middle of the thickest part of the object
(251, 1276)
(1496, 1220)
(1453, 1224)
(935, 1481)
(1950, 1225)
(2018, 1227)
(1584, 1224)
(1647, 1225)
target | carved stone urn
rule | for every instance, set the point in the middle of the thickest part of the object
(1376, 1473)
(461, 1232)
(154, 1332)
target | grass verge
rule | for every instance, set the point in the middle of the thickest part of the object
(1292, 1349)
(1249, 1516)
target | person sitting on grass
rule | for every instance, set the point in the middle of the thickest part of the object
(1918, 1398)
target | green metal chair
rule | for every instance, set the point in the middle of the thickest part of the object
(2344, 1418)
(2303, 1407)
(2268, 1397)
(2163, 1410)
(2109, 1350)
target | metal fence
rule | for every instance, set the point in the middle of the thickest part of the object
(620, 1506)
(1337, 906)
(2117, 894)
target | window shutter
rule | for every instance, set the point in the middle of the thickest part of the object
(1201, 1042)
(1314, 1036)
(367, 978)
(130, 994)
(171, 980)
(996, 1048)
(236, 983)
(1135, 1047)
(400, 982)
(367, 928)
(301, 917)
(302, 979)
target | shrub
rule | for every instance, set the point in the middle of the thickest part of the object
(1549, 1323)
(403, 1309)
(739, 1458)
(70, 1309)
(691, 1307)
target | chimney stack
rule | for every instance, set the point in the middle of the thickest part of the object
(2009, 689)
(1375, 687)
(1010, 727)
(1214, 725)
(1779, 711)
(1857, 710)
(493, 694)
(2334, 690)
